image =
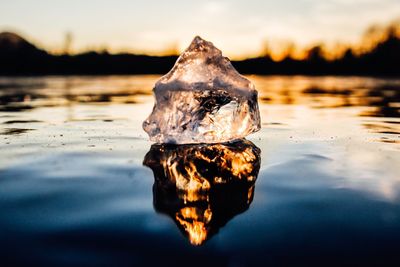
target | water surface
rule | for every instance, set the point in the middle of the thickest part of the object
(80, 184)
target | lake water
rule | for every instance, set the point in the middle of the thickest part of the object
(80, 184)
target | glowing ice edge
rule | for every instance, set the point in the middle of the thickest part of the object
(178, 115)
(203, 76)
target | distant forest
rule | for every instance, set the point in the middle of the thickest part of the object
(19, 57)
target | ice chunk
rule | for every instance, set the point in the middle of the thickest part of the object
(203, 186)
(203, 99)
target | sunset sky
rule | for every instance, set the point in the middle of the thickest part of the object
(239, 28)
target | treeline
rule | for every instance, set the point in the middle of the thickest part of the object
(19, 57)
(382, 59)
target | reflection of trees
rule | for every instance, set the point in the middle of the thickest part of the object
(201, 187)
(385, 99)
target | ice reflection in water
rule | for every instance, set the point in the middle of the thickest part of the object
(202, 187)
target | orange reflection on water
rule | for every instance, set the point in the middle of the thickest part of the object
(194, 221)
(201, 187)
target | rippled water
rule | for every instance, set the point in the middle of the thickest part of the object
(81, 185)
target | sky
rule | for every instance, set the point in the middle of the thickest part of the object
(238, 28)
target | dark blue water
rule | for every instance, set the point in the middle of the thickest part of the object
(82, 186)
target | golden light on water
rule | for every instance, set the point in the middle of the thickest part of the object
(210, 183)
